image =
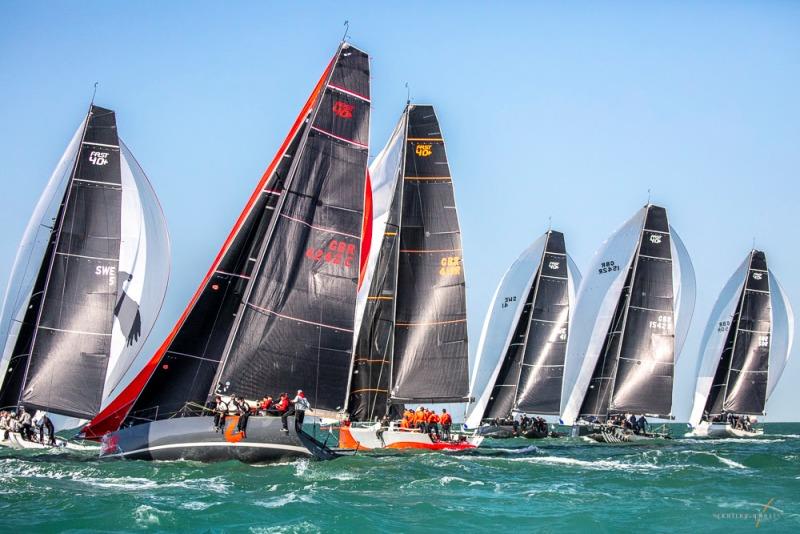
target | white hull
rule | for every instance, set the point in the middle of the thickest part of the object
(722, 430)
(15, 441)
(371, 437)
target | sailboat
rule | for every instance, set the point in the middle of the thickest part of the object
(88, 282)
(525, 335)
(631, 318)
(411, 345)
(275, 312)
(745, 348)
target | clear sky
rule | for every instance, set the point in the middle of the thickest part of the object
(548, 110)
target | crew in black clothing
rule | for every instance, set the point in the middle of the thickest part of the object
(220, 412)
(243, 411)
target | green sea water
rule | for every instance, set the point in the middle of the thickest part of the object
(551, 485)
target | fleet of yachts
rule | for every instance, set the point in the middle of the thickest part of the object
(344, 280)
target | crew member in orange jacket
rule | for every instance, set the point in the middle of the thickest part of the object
(445, 421)
(433, 424)
(419, 418)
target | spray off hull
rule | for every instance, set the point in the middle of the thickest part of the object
(194, 438)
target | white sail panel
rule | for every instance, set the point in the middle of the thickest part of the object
(782, 332)
(144, 266)
(498, 326)
(685, 290)
(594, 309)
(30, 253)
(716, 333)
(383, 176)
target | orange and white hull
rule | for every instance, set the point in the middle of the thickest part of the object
(366, 438)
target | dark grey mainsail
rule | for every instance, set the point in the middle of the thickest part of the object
(60, 358)
(530, 378)
(635, 370)
(430, 359)
(740, 381)
(542, 373)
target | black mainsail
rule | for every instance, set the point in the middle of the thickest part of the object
(740, 381)
(530, 377)
(635, 370)
(60, 359)
(430, 359)
(275, 312)
(412, 344)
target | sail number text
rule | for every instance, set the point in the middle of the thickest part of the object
(338, 252)
(607, 267)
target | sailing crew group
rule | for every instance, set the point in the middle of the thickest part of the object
(23, 423)
(428, 421)
(237, 405)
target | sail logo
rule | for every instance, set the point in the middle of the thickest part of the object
(450, 266)
(757, 276)
(554, 265)
(424, 151)
(607, 267)
(109, 271)
(337, 253)
(655, 239)
(343, 109)
(562, 334)
(98, 158)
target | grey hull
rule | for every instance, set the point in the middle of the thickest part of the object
(194, 438)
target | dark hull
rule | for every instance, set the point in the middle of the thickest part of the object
(507, 431)
(194, 438)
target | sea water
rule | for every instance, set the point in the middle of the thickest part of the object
(514, 485)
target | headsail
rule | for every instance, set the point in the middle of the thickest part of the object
(430, 359)
(316, 185)
(96, 295)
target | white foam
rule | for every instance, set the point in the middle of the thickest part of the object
(147, 516)
(448, 479)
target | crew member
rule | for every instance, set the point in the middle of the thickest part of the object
(433, 424)
(301, 404)
(642, 423)
(445, 421)
(284, 410)
(45, 424)
(220, 412)
(266, 404)
(243, 411)
(26, 429)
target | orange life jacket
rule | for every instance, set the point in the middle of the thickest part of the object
(445, 419)
(419, 417)
(433, 418)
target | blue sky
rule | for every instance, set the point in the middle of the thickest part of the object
(548, 110)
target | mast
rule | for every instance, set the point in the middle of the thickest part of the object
(430, 362)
